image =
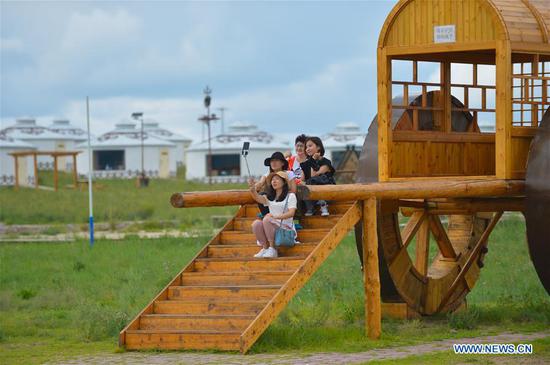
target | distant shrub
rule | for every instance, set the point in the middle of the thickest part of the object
(26, 294)
(78, 266)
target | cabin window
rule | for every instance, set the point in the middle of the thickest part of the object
(226, 165)
(420, 100)
(109, 160)
(530, 90)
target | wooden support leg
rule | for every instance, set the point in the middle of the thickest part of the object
(75, 176)
(35, 171)
(372, 277)
(55, 173)
(16, 164)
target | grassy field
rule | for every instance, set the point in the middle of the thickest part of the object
(114, 201)
(60, 300)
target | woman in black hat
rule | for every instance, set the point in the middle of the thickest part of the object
(277, 162)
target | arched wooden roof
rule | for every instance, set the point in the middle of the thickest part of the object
(523, 23)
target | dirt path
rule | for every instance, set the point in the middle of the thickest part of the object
(284, 359)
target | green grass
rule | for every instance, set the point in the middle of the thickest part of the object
(115, 201)
(59, 300)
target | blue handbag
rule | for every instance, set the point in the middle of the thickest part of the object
(284, 237)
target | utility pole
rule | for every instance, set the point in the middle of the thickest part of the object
(206, 119)
(143, 182)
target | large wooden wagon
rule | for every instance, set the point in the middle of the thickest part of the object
(461, 136)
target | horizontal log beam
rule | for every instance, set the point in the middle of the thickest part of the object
(347, 192)
(464, 205)
(415, 190)
(211, 198)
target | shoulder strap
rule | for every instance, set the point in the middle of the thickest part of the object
(286, 205)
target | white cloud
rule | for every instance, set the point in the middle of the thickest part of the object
(11, 44)
(98, 28)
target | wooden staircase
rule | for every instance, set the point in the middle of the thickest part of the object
(224, 299)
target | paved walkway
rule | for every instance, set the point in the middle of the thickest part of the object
(165, 358)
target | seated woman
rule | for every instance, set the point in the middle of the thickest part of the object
(276, 162)
(318, 170)
(282, 207)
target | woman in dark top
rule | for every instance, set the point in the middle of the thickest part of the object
(318, 170)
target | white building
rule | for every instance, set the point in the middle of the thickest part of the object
(344, 137)
(227, 163)
(182, 143)
(118, 154)
(7, 168)
(45, 139)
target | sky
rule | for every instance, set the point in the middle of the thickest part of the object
(289, 67)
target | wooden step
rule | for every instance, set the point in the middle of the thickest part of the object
(182, 340)
(240, 237)
(317, 221)
(301, 249)
(223, 292)
(226, 306)
(225, 322)
(235, 278)
(248, 264)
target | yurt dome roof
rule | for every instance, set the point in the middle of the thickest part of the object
(27, 129)
(239, 132)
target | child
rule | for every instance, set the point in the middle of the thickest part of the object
(282, 206)
(318, 170)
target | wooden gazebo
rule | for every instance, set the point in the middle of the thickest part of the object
(55, 155)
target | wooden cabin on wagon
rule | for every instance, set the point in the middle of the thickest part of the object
(437, 134)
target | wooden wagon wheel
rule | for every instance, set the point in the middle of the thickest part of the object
(440, 284)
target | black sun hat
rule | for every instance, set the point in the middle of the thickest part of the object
(277, 156)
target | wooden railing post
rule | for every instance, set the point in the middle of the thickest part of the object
(55, 173)
(16, 165)
(370, 269)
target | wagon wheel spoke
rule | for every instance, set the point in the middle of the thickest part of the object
(443, 242)
(423, 247)
(412, 227)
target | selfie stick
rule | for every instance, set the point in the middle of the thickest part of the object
(246, 146)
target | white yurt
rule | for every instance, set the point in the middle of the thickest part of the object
(43, 139)
(25, 168)
(117, 154)
(227, 163)
(345, 136)
(152, 127)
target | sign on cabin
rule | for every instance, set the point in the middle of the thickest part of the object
(444, 33)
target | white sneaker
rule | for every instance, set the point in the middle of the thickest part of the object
(324, 210)
(270, 253)
(308, 213)
(261, 253)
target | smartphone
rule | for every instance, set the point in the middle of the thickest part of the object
(246, 147)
